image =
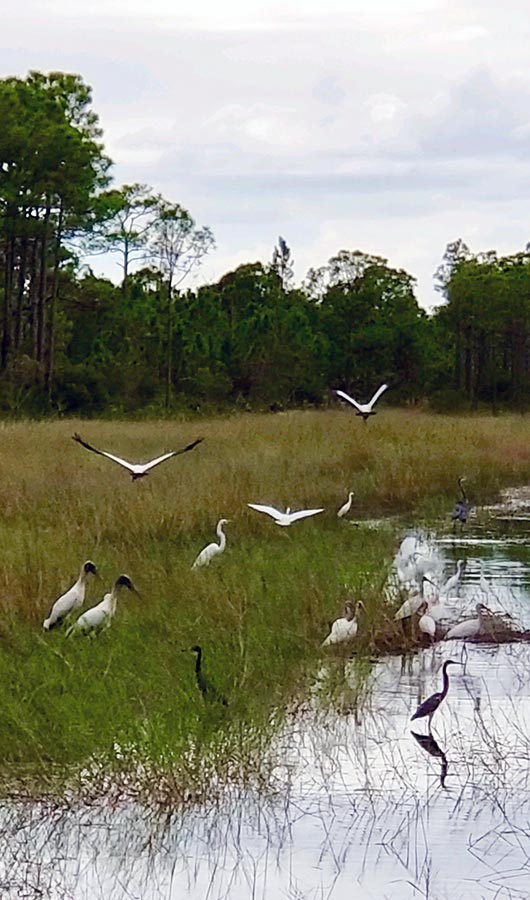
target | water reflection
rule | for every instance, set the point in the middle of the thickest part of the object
(352, 808)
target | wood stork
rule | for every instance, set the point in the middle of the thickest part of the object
(287, 517)
(99, 617)
(426, 622)
(470, 627)
(345, 508)
(461, 507)
(136, 470)
(363, 409)
(207, 689)
(344, 629)
(72, 600)
(431, 704)
(205, 556)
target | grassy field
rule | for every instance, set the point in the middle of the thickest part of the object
(260, 610)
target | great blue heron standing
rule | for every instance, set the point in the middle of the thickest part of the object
(431, 704)
(461, 507)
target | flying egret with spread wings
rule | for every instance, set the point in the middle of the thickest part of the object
(137, 470)
(287, 517)
(363, 409)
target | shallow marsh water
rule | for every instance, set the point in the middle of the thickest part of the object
(356, 806)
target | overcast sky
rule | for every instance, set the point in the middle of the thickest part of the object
(389, 126)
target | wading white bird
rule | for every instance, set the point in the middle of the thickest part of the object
(363, 409)
(470, 627)
(136, 470)
(72, 600)
(344, 629)
(453, 583)
(287, 517)
(99, 617)
(345, 508)
(205, 556)
(426, 623)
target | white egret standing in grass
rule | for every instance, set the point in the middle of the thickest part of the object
(363, 409)
(344, 629)
(431, 704)
(345, 508)
(205, 556)
(470, 627)
(72, 600)
(99, 617)
(287, 517)
(453, 582)
(136, 470)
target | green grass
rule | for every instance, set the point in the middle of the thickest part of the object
(260, 611)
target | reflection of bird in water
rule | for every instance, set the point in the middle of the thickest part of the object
(428, 743)
(461, 507)
(431, 704)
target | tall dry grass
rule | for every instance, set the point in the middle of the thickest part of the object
(260, 611)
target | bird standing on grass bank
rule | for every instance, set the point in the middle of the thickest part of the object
(205, 556)
(136, 470)
(363, 409)
(345, 508)
(207, 689)
(470, 627)
(461, 507)
(99, 617)
(286, 518)
(431, 704)
(72, 600)
(345, 629)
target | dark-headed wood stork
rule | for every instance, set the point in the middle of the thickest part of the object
(99, 617)
(136, 470)
(363, 409)
(72, 600)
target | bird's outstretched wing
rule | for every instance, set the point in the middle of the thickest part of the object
(349, 399)
(160, 459)
(303, 513)
(121, 462)
(269, 510)
(377, 394)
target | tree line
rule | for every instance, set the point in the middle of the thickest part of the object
(71, 342)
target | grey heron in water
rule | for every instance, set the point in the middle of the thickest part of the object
(461, 507)
(431, 704)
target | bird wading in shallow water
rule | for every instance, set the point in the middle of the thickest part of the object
(287, 517)
(431, 704)
(136, 470)
(461, 508)
(363, 409)
(207, 689)
(99, 617)
(205, 556)
(72, 600)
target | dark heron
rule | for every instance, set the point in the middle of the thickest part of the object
(136, 470)
(461, 507)
(431, 704)
(207, 689)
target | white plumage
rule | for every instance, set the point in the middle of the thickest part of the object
(284, 518)
(344, 629)
(470, 627)
(426, 623)
(136, 470)
(363, 409)
(72, 600)
(453, 582)
(205, 556)
(345, 508)
(99, 617)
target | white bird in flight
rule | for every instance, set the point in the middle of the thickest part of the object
(205, 556)
(345, 508)
(71, 600)
(137, 470)
(287, 517)
(363, 409)
(99, 617)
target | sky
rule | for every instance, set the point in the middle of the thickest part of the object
(387, 126)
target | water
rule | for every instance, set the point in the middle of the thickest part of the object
(356, 806)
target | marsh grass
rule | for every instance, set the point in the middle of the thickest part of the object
(259, 612)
